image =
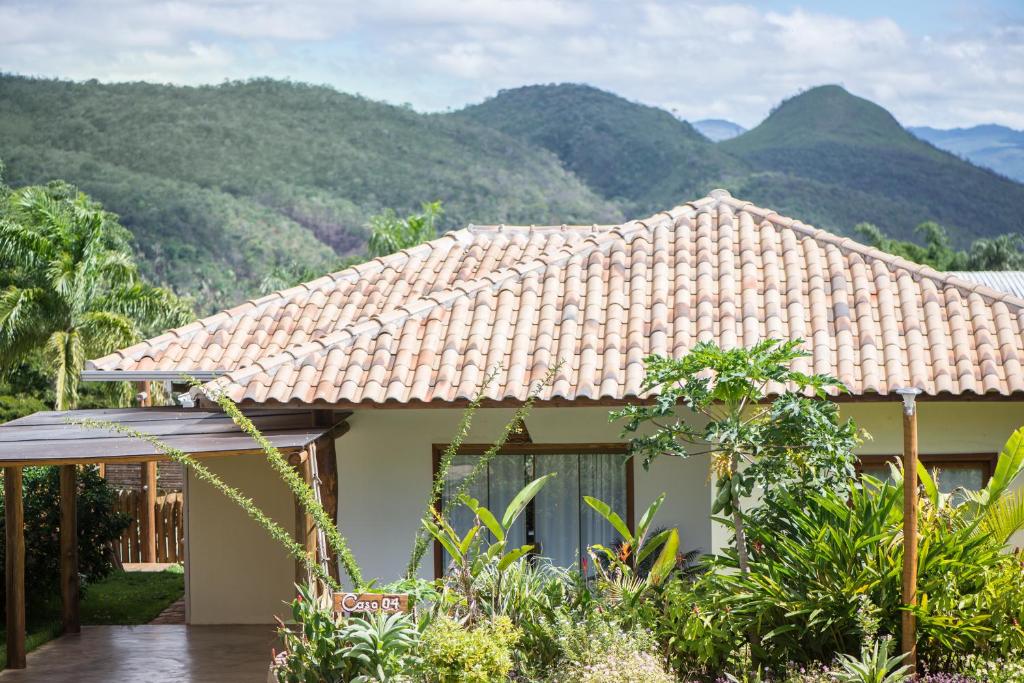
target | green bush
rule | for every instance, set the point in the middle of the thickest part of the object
(323, 647)
(596, 650)
(454, 654)
(98, 526)
(825, 578)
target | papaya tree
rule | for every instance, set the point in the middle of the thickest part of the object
(762, 424)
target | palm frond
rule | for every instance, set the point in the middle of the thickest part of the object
(21, 246)
(1004, 517)
(68, 357)
(22, 317)
(105, 331)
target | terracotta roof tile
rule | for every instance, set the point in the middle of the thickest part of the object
(428, 323)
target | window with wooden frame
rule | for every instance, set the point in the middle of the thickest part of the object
(969, 471)
(558, 523)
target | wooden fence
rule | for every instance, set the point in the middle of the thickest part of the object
(170, 527)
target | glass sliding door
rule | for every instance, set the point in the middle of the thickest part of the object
(604, 478)
(557, 509)
(558, 523)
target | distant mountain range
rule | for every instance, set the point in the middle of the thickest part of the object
(717, 130)
(996, 147)
(221, 184)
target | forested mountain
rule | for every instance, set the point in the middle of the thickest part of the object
(220, 184)
(640, 155)
(996, 147)
(223, 184)
(836, 160)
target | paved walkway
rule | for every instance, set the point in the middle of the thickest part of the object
(152, 654)
(174, 614)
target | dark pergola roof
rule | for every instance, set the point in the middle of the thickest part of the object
(53, 438)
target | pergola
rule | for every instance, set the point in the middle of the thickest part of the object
(54, 438)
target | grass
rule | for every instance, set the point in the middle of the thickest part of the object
(121, 598)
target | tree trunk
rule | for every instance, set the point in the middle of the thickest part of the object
(741, 539)
(737, 520)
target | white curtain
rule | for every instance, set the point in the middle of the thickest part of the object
(508, 475)
(460, 517)
(565, 526)
(558, 509)
(602, 476)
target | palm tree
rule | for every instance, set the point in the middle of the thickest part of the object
(73, 290)
(389, 233)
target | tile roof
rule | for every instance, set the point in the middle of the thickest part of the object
(425, 324)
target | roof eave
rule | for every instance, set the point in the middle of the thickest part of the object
(149, 375)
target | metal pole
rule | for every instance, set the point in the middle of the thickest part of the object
(908, 621)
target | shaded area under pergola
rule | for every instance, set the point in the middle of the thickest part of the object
(55, 438)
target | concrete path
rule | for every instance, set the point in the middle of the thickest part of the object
(152, 654)
(174, 614)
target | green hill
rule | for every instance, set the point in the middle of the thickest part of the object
(828, 156)
(220, 184)
(640, 155)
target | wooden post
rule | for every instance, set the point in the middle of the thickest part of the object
(69, 588)
(148, 514)
(147, 523)
(15, 567)
(327, 469)
(305, 528)
(908, 624)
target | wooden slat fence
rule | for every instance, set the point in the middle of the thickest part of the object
(170, 527)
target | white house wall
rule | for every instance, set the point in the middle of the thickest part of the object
(239, 575)
(385, 469)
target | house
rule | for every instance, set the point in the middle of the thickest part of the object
(400, 345)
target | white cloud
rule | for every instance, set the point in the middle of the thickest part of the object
(723, 59)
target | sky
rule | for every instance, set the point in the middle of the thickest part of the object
(943, 63)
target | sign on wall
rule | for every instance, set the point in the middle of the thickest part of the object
(371, 602)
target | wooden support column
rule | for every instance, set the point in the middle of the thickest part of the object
(14, 533)
(69, 588)
(908, 630)
(327, 468)
(305, 527)
(147, 525)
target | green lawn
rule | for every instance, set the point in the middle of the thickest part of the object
(121, 598)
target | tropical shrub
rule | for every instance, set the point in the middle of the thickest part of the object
(323, 647)
(98, 526)
(454, 653)
(794, 444)
(875, 665)
(596, 650)
(481, 551)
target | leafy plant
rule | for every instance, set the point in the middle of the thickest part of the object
(389, 233)
(472, 552)
(380, 643)
(323, 647)
(454, 653)
(635, 547)
(597, 650)
(98, 526)
(794, 444)
(874, 665)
